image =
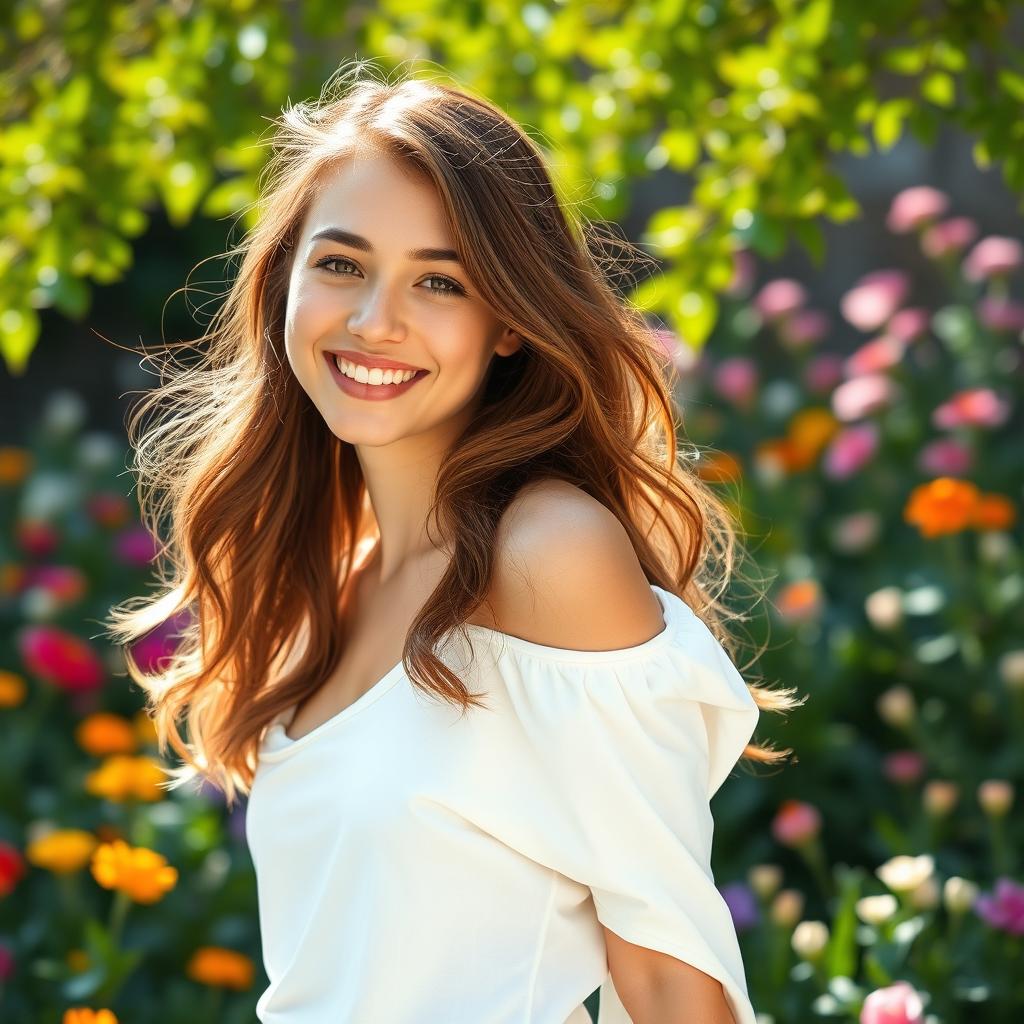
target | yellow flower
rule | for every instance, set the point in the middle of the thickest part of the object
(140, 873)
(12, 689)
(945, 505)
(62, 851)
(144, 728)
(214, 965)
(83, 1015)
(122, 778)
(15, 464)
(104, 733)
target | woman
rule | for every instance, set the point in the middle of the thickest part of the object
(454, 592)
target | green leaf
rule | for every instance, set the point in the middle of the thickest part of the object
(694, 313)
(939, 88)
(889, 122)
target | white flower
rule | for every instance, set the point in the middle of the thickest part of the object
(904, 873)
(809, 939)
(926, 895)
(896, 706)
(64, 412)
(959, 894)
(884, 608)
(877, 909)
(765, 879)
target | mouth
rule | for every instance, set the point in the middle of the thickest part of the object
(375, 376)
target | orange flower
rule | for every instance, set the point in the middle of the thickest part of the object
(62, 851)
(104, 733)
(12, 689)
(778, 456)
(994, 512)
(122, 778)
(942, 506)
(83, 1015)
(799, 601)
(78, 960)
(719, 467)
(140, 873)
(214, 965)
(15, 464)
(809, 431)
(145, 730)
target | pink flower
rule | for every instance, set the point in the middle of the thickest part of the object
(993, 256)
(36, 537)
(882, 353)
(948, 237)
(64, 583)
(850, 450)
(945, 457)
(735, 379)
(859, 397)
(914, 207)
(780, 298)
(682, 356)
(908, 325)
(60, 657)
(744, 269)
(135, 546)
(875, 298)
(6, 962)
(999, 314)
(159, 643)
(796, 823)
(898, 1003)
(804, 328)
(903, 766)
(976, 407)
(823, 373)
(855, 532)
(1003, 908)
(108, 509)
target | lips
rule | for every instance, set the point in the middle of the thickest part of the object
(371, 362)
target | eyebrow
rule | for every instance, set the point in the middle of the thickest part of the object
(355, 241)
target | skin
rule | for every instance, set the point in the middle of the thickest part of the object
(383, 303)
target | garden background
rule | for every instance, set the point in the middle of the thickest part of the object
(831, 197)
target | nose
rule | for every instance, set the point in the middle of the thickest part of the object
(374, 315)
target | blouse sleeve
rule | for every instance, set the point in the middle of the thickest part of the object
(617, 754)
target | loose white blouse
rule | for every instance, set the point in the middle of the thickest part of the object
(415, 868)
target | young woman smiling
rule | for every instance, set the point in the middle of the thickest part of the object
(456, 626)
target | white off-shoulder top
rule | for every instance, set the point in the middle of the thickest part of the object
(413, 867)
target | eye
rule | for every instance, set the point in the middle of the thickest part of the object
(448, 286)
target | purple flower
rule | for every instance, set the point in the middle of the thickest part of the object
(823, 373)
(914, 207)
(945, 457)
(875, 298)
(993, 256)
(742, 904)
(1003, 908)
(780, 298)
(948, 237)
(999, 314)
(851, 449)
(135, 546)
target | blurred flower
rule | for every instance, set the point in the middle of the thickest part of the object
(682, 356)
(915, 207)
(742, 905)
(780, 398)
(98, 450)
(12, 690)
(800, 601)
(12, 868)
(995, 546)
(135, 546)
(994, 512)
(945, 456)
(903, 766)
(6, 962)
(15, 464)
(104, 733)
(84, 1015)
(896, 707)
(64, 412)
(60, 658)
(823, 373)
(908, 325)
(942, 506)
(1000, 314)
(65, 584)
(810, 939)
(876, 910)
(142, 874)
(940, 797)
(48, 495)
(884, 609)
(860, 396)
(765, 879)
(78, 960)
(719, 467)
(898, 1003)
(796, 823)
(735, 379)
(1011, 669)
(996, 797)
(109, 510)
(804, 328)
(855, 532)
(224, 968)
(780, 298)
(160, 643)
(809, 431)
(744, 270)
(875, 356)
(875, 298)
(959, 895)
(924, 896)
(948, 237)
(145, 730)
(993, 256)
(62, 851)
(903, 873)
(1004, 907)
(774, 460)
(35, 537)
(121, 778)
(976, 407)
(850, 451)
(787, 907)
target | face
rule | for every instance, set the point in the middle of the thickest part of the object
(368, 292)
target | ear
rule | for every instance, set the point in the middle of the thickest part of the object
(508, 343)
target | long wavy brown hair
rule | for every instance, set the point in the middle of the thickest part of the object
(261, 510)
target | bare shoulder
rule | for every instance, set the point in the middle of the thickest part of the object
(566, 574)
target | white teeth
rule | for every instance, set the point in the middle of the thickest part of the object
(374, 376)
